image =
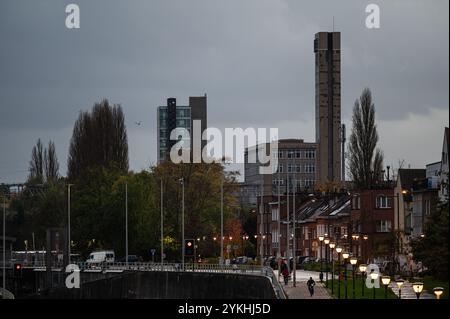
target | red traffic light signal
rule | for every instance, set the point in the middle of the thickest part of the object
(189, 247)
(17, 270)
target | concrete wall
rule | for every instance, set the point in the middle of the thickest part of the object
(171, 285)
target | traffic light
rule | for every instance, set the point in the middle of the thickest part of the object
(17, 271)
(189, 245)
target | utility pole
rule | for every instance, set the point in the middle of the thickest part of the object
(4, 243)
(261, 246)
(182, 223)
(294, 245)
(279, 223)
(288, 219)
(162, 226)
(68, 223)
(126, 224)
(221, 222)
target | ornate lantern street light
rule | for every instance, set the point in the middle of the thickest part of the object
(332, 246)
(339, 251)
(438, 291)
(353, 262)
(321, 238)
(373, 276)
(362, 269)
(385, 280)
(417, 287)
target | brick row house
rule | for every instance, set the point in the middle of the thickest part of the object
(359, 222)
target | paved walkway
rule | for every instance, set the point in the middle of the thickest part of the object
(408, 292)
(301, 289)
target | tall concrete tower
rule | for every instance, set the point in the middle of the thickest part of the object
(327, 49)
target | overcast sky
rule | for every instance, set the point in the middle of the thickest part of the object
(253, 58)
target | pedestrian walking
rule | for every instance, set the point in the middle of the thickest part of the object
(285, 272)
(311, 283)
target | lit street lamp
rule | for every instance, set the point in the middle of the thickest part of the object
(339, 250)
(400, 283)
(326, 242)
(417, 287)
(345, 256)
(362, 269)
(332, 246)
(374, 276)
(321, 238)
(438, 291)
(353, 262)
(386, 280)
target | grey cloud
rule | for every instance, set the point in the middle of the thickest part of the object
(253, 58)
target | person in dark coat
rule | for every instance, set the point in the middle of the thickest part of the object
(311, 283)
(285, 273)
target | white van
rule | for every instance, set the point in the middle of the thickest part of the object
(104, 256)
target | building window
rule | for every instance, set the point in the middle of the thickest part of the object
(356, 201)
(278, 182)
(310, 154)
(290, 154)
(280, 168)
(274, 213)
(290, 168)
(309, 183)
(383, 201)
(280, 154)
(383, 226)
(297, 154)
(310, 168)
(298, 168)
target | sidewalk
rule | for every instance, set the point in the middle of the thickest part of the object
(301, 289)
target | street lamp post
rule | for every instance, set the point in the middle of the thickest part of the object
(4, 244)
(362, 269)
(339, 250)
(321, 238)
(326, 242)
(345, 256)
(417, 287)
(332, 246)
(68, 222)
(182, 223)
(162, 226)
(374, 276)
(126, 224)
(399, 283)
(221, 222)
(353, 262)
(385, 280)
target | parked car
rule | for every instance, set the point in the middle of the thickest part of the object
(98, 257)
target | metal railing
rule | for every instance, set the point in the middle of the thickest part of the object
(255, 270)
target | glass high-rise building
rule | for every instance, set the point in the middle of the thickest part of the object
(173, 116)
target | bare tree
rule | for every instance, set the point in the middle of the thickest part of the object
(99, 139)
(51, 163)
(365, 160)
